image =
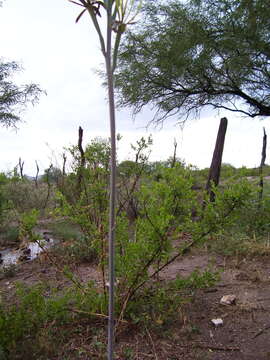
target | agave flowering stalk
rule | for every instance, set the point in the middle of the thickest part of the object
(119, 14)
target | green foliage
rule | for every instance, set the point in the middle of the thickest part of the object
(4, 201)
(28, 315)
(27, 223)
(224, 212)
(8, 271)
(14, 98)
(197, 280)
(52, 175)
(249, 230)
(155, 204)
(77, 250)
(84, 200)
(64, 230)
(159, 305)
(9, 235)
(28, 325)
(164, 205)
(25, 196)
(159, 218)
(86, 203)
(128, 168)
(187, 55)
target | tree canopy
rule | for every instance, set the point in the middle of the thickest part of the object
(14, 98)
(187, 55)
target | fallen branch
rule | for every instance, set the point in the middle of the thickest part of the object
(211, 347)
(152, 343)
(261, 331)
(76, 311)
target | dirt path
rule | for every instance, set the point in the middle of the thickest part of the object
(245, 333)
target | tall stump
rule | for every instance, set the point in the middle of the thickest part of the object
(214, 172)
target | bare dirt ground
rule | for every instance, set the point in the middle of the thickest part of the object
(244, 335)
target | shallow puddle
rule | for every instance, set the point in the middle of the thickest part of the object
(11, 256)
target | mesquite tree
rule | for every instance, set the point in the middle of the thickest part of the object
(13, 97)
(119, 13)
(187, 55)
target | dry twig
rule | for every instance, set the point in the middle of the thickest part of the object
(261, 331)
(152, 343)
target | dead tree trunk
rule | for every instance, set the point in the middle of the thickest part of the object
(62, 186)
(174, 154)
(64, 164)
(214, 172)
(82, 160)
(262, 164)
(21, 164)
(36, 177)
(49, 185)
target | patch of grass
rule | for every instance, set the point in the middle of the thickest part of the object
(258, 247)
(229, 244)
(8, 271)
(40, 321)
(76, 251)
(73, 246)
(196, 280)
(65, 230)
(9, 236)
(239, 244)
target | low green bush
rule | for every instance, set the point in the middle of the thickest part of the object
(29, 324)
(160, 303)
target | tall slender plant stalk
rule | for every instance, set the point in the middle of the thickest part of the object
(119, 15)
(112, 186)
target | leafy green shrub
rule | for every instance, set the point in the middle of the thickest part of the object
(28, 325)
(64, 230)
(8, 271)
(9, 236)
(79, 250)
(25, 196)
(28, 221)
(196, 280)
(233, 243)
(159, 305)
(28, 315)
(153, 208)
(249, 227)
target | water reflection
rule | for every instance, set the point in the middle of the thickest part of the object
(12, 256)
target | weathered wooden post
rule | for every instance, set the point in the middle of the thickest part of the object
(214, 172)
(262, 164)
(21, 164)
(36, 177)
(82, 160)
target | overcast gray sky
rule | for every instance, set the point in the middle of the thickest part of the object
(62, 57)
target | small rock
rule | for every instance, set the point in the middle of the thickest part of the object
(26, 251)
(115, 283)
(228, 300)
(217, 322)
(46, 236)
(23, 258)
